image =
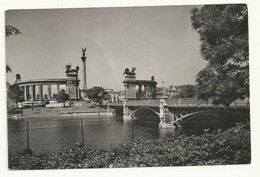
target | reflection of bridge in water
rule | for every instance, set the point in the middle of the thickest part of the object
(172, 112)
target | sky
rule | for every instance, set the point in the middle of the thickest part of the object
(158, 41)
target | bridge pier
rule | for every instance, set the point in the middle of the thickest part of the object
(126, 111)
(166, 117)
(109, 109)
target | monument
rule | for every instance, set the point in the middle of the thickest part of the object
(138, 89)
(84, 73)
(72, 86)
(33, 89)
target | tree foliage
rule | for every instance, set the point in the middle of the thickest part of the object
(95, 93)
(62, 96)
(223, 31)
(185, 91)
(14, 93)
(10, 30)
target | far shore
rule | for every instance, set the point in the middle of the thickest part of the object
(55, 112)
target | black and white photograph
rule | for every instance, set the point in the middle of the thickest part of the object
(128, 87)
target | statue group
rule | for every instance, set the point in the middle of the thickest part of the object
(130, 73)
(70, 71)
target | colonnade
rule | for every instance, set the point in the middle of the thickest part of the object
(145, 91)
(29, 91)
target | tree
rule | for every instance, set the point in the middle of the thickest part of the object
(62, 96)
(10, 30)
(14, 93)
(96, 93)
(223, 31)
(185, 91)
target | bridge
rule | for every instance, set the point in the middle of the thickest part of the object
(172, 112)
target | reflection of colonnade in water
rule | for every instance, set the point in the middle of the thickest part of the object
(45, 89)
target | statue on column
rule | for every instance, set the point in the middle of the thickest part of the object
(83, 52)
(70, 71)
(18, 77)
(130, 73)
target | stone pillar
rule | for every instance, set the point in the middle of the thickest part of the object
(34, 92)
(49, 91)
(84, 72)
(83, 58)
(125, 90)
(31, 92)
(40, 92)
(145, 91)
(166, 117)
(72, 87)
(109, 110)
(25, 93)
(58, 88)
(139, 91)
(127, 112)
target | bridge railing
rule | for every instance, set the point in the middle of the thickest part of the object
(183, 102)
(116, 104)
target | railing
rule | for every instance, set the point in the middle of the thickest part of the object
(183, 102)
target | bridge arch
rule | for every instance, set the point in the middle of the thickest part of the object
(142, 109)
(115, 110)
(188, 116)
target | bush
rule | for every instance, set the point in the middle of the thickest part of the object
(217, 148)
(14, 111)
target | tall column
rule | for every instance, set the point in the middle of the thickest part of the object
(83, 58)
(31, 92)
(40, 92)
(49, 91)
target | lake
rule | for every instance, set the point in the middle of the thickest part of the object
(54, 134)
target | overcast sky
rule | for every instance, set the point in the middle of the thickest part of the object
(158, 41)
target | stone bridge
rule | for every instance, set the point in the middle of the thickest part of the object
(172, 112)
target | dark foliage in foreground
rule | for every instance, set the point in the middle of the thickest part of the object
(217, 148)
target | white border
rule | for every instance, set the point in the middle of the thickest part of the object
(234, 170)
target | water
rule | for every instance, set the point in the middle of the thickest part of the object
(54, 134)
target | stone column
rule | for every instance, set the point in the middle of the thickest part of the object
(58, 88)
(40, 92)
(24, 93)
(31, 92)
(49, 91)
(34, 93)
(145, 91)
(139, 91)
